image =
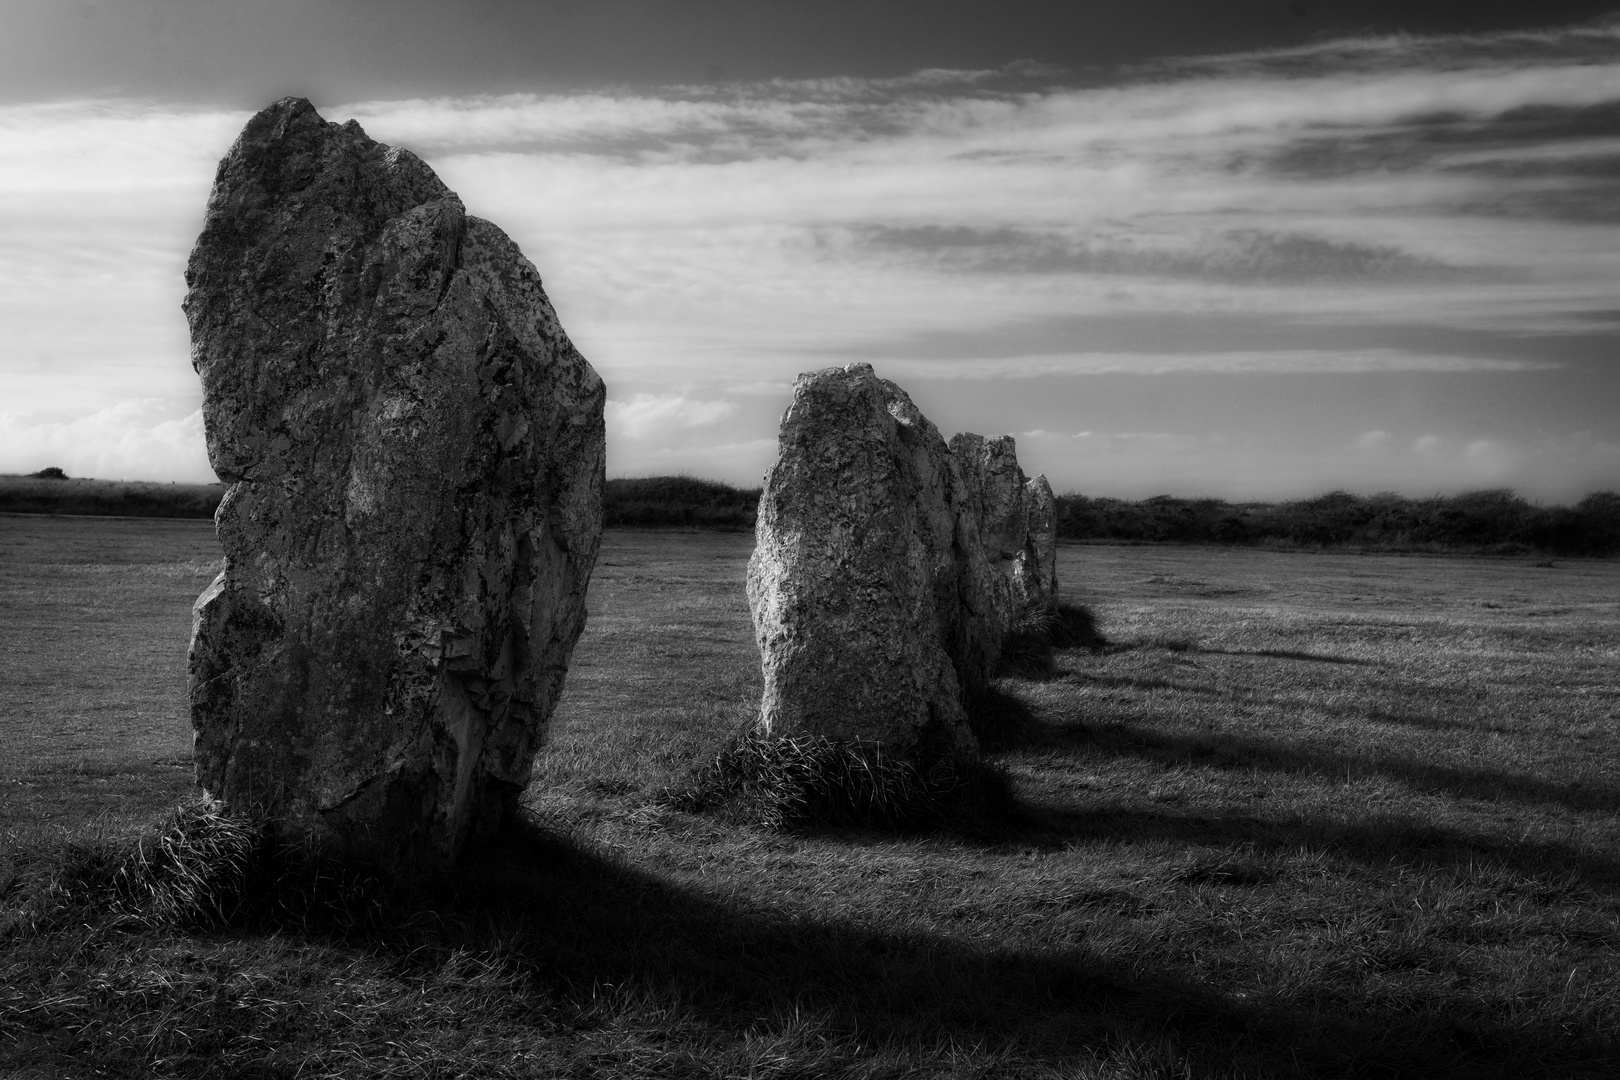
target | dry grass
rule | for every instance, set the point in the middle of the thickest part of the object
(1298, 815)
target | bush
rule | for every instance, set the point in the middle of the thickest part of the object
(1493, 521)
(655, 502)
(40, 493)
(678, 502)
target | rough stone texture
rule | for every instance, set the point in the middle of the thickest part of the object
(873, 603)
(415, 457)
(1017, 521)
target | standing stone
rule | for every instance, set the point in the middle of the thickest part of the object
(1017, 521)
(871, 596)
(995, 487)
(414, 454)
(1035, 580)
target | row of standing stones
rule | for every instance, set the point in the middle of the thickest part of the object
(888, 567)
(414, 454)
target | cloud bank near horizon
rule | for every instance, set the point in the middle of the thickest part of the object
(1416, 237)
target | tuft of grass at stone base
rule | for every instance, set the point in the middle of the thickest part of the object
(809, 780)
(1029, 648)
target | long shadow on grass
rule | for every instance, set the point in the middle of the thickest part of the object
(1434, 697)
(1374, 839)
(582, 921)
(1185, 645)
(1289, 654)
(1380, 715)
(591, 937)
(1377, 840)
(1228, 751)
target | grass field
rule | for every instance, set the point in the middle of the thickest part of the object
(1306, 815)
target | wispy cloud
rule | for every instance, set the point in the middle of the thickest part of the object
(1372, 439)
(1321, 362)
(651, 416)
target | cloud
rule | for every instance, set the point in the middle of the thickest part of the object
(1278, 362)
(1372, 207)
(1372, 440)
(1233, 255)
(1560, 469)
(651, 416)
(136, 439)
(1364, 341)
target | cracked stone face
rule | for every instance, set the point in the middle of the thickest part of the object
(414, 457)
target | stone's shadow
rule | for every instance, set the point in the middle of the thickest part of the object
(1183, 645)
(1001, 720)
(1143, 682)
(1374, 840)
(1015, 725)
(1290, 654)
(1377, 714)
(1380, 715)
(1229, 751)
(581, 922)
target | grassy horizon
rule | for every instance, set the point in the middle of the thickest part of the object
(1493, 522)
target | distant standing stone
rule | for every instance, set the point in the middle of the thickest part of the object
(871, 595)
(414, 454)
(1035, 580)
(1017, 520)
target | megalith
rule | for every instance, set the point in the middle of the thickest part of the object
(1035, 580)
(874, 607)
(414, 457)
(1017, 522)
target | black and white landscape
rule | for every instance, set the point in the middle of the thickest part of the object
(1096, 555)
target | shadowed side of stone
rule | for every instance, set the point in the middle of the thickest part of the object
(414, 454)
(872, 600)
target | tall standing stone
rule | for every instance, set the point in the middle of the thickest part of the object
(414, 454)
(871, 596)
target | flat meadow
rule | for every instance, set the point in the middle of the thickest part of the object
(1295, 814)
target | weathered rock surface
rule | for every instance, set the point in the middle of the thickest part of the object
(415, 457)
(1017, 522)
(874, 607)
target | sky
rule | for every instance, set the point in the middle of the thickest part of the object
(1233, 248)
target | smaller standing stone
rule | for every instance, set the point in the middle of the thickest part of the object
(1017, 521)
(1035, 580)
(871, 596)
